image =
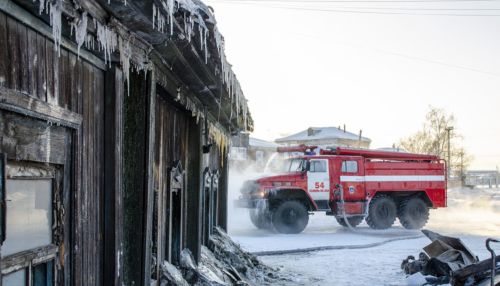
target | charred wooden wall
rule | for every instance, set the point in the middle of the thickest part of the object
(130, 154)
(29, 65)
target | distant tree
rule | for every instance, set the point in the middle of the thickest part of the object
(433, 139)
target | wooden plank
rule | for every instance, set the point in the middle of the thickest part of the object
(79, 88)
(23, 58)
(113, 197)
(18, 102)
(32, 48)
(4, 55)
(72, 88)
(41, 76)
(193, 190)
(86, 185)
(67, 254)
(23, 259)
(51, 57)
(118, 176)
(62, 77)
(13, 47)
(151, 113)
(31, 140)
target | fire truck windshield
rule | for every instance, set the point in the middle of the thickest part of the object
(294, 165)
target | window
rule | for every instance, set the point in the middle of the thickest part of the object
(29, 219)
(318, 166)
(349, 167)
(29, 251)
(294, 165)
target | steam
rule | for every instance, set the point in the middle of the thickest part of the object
(469, 212)
(238, 218)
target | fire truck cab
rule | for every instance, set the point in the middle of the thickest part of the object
(351, 185)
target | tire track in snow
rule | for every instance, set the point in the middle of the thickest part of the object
(333, 247)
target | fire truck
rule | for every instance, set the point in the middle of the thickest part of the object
(350, 184)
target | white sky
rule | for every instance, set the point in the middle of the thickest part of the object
(373, 72)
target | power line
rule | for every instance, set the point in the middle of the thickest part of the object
(355, 10)
(352, 11)
(410, 57)
(354, 1)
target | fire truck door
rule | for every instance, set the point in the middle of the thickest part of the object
(318, 180)
(352, 178)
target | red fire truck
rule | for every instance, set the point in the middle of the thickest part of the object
(351, 185)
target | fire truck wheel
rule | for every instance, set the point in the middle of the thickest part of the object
(353, 221)
(258, 219)
(413, 213)
(290, 217)
(382, 212)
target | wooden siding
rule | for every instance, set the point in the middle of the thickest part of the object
(29, 64)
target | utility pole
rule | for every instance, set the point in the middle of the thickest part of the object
(448, 130)
(462, 176)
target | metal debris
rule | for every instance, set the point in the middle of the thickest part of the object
(448, 261)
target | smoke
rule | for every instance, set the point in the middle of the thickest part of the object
(469, 212)
(238, 218)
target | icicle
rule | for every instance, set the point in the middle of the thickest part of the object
(55, 22)
(125, 53)
(107, 41)
(154, 15)
(158, 19)
(80, 31)
(171, 7)
(41, 6)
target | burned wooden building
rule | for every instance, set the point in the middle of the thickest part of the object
(115, 119)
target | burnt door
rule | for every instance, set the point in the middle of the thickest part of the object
(206, 198)
(214, 202)
(175, 211)
(170, 157)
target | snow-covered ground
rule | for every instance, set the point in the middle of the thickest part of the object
(370, 257)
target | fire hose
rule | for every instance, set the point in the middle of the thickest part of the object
(342, 208)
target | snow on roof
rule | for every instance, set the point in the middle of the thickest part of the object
(322, 133)
(259, 143)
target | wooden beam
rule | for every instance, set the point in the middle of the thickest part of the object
(113, 166)
(149, 205)
(18, 102)
(23, 259)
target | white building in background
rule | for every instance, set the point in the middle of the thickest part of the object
(246, 150)
(326, 137)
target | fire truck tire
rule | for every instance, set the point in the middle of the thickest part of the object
(353, 221)
(258, 219)
(382, 212)
(413, 213)
(290, 217)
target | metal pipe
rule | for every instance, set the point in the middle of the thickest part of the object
(493, 259)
